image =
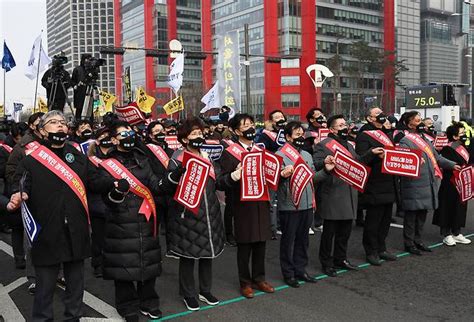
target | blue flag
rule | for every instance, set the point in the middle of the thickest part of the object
(7, 61)
(17, 107)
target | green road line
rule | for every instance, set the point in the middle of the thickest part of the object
(278, 288)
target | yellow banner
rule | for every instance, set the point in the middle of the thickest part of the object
(42, 106)
(2, 110)
(145, 102)
(175, 105)
(107, 100)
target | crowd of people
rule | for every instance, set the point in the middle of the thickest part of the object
(105, 190)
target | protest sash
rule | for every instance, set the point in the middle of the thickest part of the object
(193, 182)
(95, 160)
(402, 162)
(278, 138)
(173, 142)
(6, 147)
(289, 151)
(272, 167)
(440, 142)
(76, 145)
(160, 154)
(351, 171)
(461, 150)
(429, 137)
(236, 150)
(334, 146)
(380, 137)
(118, 171)
(57, 166)
(463, 181)
(301, 177)
(424, 147)
(323, 133)
(252, 182)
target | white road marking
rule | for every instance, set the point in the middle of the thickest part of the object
(6, 303)
(396, 226)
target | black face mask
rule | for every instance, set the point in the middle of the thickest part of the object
(421, 128)
(86, 134)
(106, 142)
(171, 132)
(342, 134)
(280, 123)
(320, 120)
(249, 134)
(57, 138)
(381, 118)
(196, 143)
(298, 142)
(128, 143)
(160, 137)
(463, 138)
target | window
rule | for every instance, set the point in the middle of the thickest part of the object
(290, 80)
(290, 100)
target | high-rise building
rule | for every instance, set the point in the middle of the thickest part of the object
(76, 27)
(300, 32)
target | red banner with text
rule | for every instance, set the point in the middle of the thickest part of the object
(351, 171)
(402, 162)
(252, 183)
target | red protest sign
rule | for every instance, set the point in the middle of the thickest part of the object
(463, 181)
(173, 142)
(402, 162)
(193, 182)
(252, 182)
(130, 114)
(301, 177)
(351, 171)
(272, 167)
(323, 133)
(440, 142)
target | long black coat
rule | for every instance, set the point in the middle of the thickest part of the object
(195, 236)
(52, 203)
(451, 212)
(380, 188)
(251, 218)
(131, 251)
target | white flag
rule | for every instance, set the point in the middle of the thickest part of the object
(175, 78)
(37, 56)
(211, 99)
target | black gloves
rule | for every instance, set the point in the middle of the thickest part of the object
(117, 194)
(176, 174)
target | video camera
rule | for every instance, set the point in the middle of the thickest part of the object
(59, 59)
(91, 65)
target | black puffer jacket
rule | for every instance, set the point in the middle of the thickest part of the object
(131, 251)
(380, 188)
(201, 235)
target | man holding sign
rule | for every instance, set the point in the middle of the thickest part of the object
(418, 195)
(451, 213)
(296, 203)
(251, 218)
(379, 194)
(338, 198)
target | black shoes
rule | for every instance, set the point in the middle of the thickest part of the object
(208, 298)
(387, 256)
(306, 278)
(292, 282)
(191, 303)
(152, 314)
(423, 247)
(374, 260)
(413, 250)
(346, 265)
(330, 271)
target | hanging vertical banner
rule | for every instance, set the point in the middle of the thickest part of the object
(127, 82)
(228, 72)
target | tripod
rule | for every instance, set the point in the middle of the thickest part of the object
(88, 100)
(54, 89)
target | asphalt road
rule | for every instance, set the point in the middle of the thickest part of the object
(434, 287)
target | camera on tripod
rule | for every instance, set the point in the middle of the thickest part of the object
(57, 67)
(91, 66)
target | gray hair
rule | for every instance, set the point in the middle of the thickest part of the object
(49, 115)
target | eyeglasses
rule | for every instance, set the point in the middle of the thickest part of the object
(56, 122)
(126, 134)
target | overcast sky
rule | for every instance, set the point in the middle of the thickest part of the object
(21, 21)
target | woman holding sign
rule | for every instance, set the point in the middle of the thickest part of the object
(451, 213)
(197, 231)
(296, 203)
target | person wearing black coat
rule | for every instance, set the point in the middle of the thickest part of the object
(278, 120)
(97, 207)
(156, 135)
(78, 82)
(194, 236)
(251, 218)
(379, 194)
(450, 215)
(131, 254)
(64, 235)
